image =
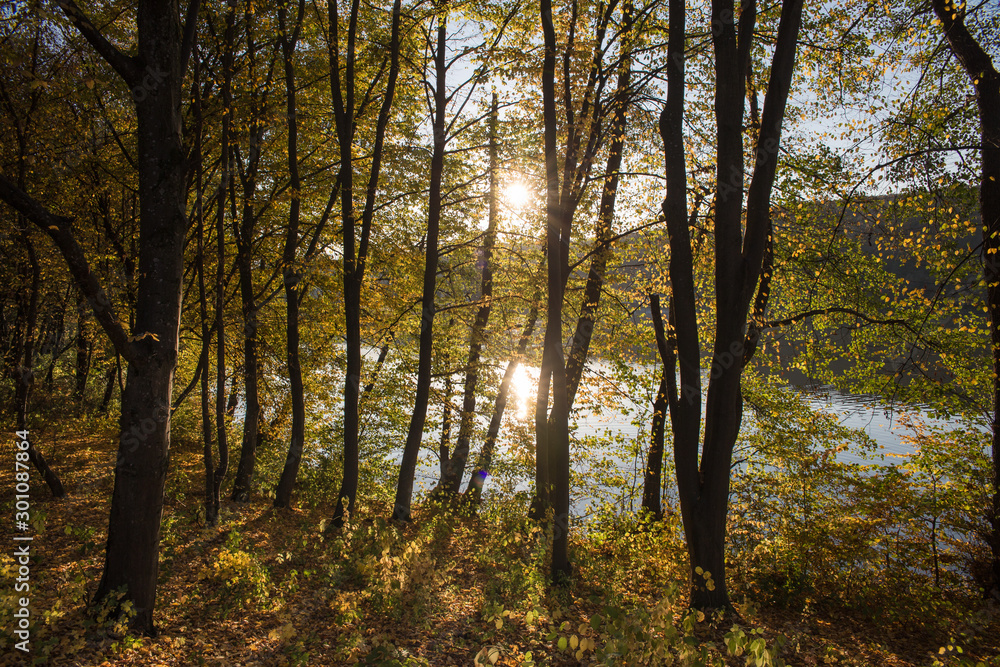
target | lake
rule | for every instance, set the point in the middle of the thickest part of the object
(629, 423)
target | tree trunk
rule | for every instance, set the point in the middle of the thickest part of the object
(451, 476)
(211, 502)
(445, 443)
(244, 234)
(222, 411)
(986, 80)
(23, 353)
(109, 387)
(602, 237)
(652, 479)
(411, 450)
(83, 346)
(355, 255)
(132, 555)
(553, 434)
(290, 271)
(248, 450)
(703, 486)
(485, 459)
(24, 377)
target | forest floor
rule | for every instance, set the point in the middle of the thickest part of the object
(270, 587)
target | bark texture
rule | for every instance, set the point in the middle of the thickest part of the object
(986, 80)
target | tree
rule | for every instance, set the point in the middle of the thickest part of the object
(411, 449)
(355, 251)
(290, 273)
(703, 485)
(586, 127)
(451, 475)
(986, 81)
(155, 77)
(245, 234)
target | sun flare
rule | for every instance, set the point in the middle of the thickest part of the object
(516, 195)
(523, 387)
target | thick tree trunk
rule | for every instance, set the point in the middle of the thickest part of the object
(980, 67)
(132, 555)
(704, 487)
(414, 436)
(290, 272)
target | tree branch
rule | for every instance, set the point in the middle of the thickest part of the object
(125, 65)
(58, 228)
(190, 25)
(774, 324)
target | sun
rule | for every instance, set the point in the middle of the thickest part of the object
(516, 194)
(523, 386)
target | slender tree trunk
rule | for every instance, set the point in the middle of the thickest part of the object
(474, 490)
(244, 234)
(109, 387)
(411, 450)
(355, 254)
(290, 272)
(251, 417)
(451, 475)
(652, 480)
(221, 409)
(980, 67)
(444, 445)
(83, 346)
(30, 280)
(602, 238)
(553, 446)
(53, 340)
(211, 504)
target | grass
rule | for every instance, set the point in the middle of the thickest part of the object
(272, 587)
